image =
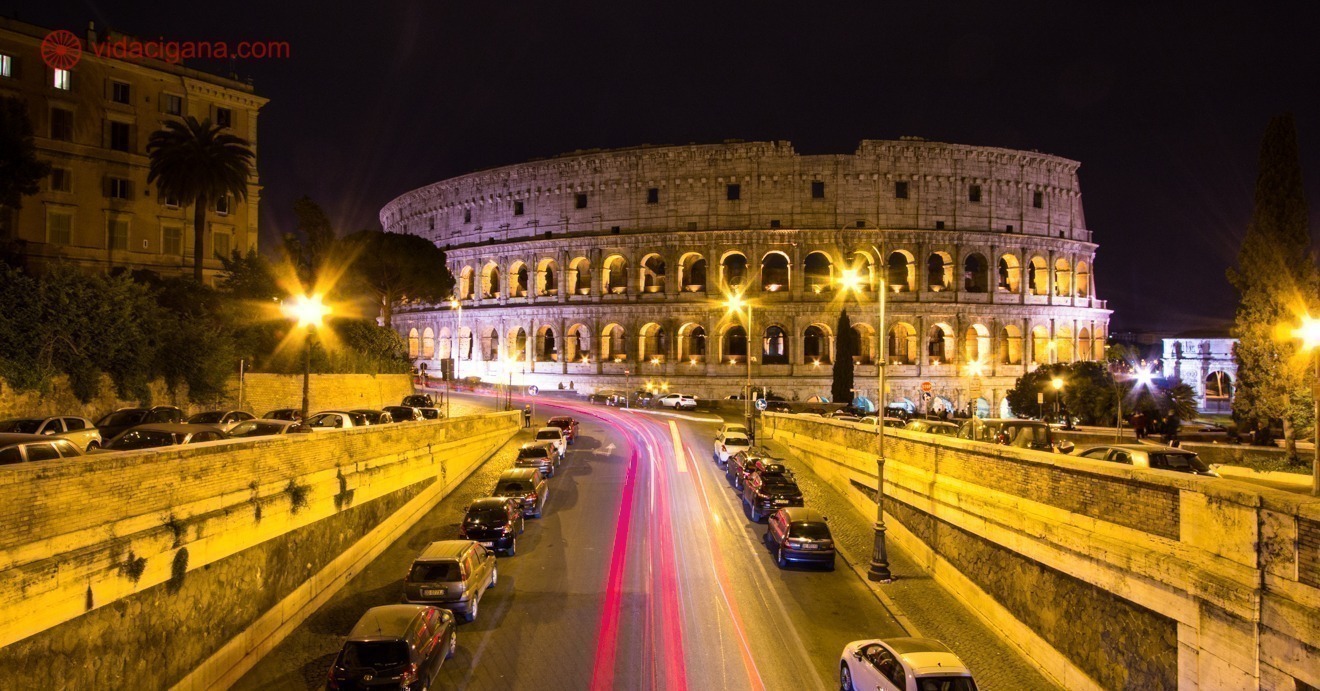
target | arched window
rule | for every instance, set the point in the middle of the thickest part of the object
(612, 345)
(546, 349)
(579, 276)
(901, 274)
(466, 283)
(414, 343)
(653, 274)
(1062, 277)
(774, 350)
(428, 343)
(1218, 385)
(818, 271)
(651, 344)
(1040, 345)
(1010, 345)
(976, 277)
(816, 345)
(464, 344)
(1038, 278)
(547, 278)
(444, 342)
(518, 280)
(865, 336)
(1084, 348)
(939, 272)
(615, 278)
(490, 347)
(692, 343)
(733, 270)
(1010, 274)
(865, 271)
(490, 281)
(517, 344)
(735, 343)
(902, 344)
(1083, 280)
(939, 345)
(577, 344)
(774, 272)
(976, 344)
(693, 268)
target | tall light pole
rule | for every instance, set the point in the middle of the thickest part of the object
(454, 304)
(735, 304)
(308, 313)
(1057, 383)
(1309, 333)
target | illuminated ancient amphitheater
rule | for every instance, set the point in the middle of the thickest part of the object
(612, 269)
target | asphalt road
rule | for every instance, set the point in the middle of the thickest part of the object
(645, 573)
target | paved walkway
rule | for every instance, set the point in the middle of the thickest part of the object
(922, 603)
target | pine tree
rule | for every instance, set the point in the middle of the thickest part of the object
(1276, 280)
(845, 347)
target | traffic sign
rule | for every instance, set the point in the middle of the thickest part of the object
(532, 390)
(760, 404)
(927, 387)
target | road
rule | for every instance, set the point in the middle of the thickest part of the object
(645, 573)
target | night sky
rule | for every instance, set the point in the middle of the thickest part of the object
(1163, 107)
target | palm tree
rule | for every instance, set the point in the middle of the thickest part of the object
(194, 163)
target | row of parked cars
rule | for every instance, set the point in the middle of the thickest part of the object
(129, 429)
(405, 645)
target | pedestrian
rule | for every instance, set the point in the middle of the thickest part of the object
(1139, 425)
(527, 415)
(570, 384)
(1171, 427)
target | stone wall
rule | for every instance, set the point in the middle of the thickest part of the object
(1108, 577)
(131, 570)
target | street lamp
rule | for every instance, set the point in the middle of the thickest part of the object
(1309, 333)
(454, 304)
(308, 313)
(974, 371)
(735, 303)
(1057, 383)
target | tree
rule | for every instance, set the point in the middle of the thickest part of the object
(309, 249)
(196, 163)
(20, 169)
(1276, 279)
(1023, 398)
(396, 267)
(845, 347)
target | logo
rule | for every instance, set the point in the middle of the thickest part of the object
(61, 50)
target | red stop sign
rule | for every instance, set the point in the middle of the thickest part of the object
(926, 387)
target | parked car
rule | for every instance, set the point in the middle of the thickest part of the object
(607, 397)
(728, 443)
(1151, 456)
(643, 399)
(224, 419)
(778, 407)
(453, 574)
(263, 428)
(22, 448)
(527, 486)
(113, 424)
(495, 523)
(404, 413)
(799, 535)
(737, 427)
(769, 489)
(170, 434)
(331, 419)
(902, 664)
(943, 429)
(78, 430)
(372, 417)
(553, 436)
(678, 401)
(740, 465)
(418, 400)
(566, 423)
(397, 647)
(1024, 434)
(432, 413)
(283, 414)
(537, 455)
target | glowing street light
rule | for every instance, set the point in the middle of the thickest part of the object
(1057, 383)
(307, 312)
(736, 303)
(1309, 334)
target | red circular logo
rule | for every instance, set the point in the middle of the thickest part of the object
(61, 50)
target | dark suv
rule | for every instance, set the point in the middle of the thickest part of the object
(527, 486)
(121, 420)
(1024, 434)
(495, 523)
(453, 574)
(395, 646)
(418, 400)
(769, 488)
(539, 456)
(800, 535)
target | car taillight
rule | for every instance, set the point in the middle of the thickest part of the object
(724, 449)
(532, 496)
(508, 528)
(409, 675)
(332, 683)
(462, 531)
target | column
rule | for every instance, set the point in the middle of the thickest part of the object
(561, 278)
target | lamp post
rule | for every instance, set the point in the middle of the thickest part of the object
(735, 304)
(308, 313)
(1057, 383)
(1309, 333)
(974, 371)
(454, 304)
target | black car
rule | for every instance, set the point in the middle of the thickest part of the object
(395, 647)
(495, 523)
(371, 417)
(418, 400)
(770, 489)
(527, 486)
(404, 413)
(738, 468)
(126, 418)
(798, 535)
(294, 414)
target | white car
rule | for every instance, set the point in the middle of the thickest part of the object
(555, 438)
(678, 401)
(902, 664)
(330, 419)
(729, 443)
(735, 428)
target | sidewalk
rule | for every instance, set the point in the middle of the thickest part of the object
(922, 604)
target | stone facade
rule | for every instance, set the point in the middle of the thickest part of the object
(1208, 365)
(600, 267)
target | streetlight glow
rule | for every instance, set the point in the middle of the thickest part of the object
(1057, 383)
(307, 311)
(1309, 333)
(850, 280)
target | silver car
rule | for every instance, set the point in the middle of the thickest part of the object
(1151, 456)
(902, 664)
(224, 419)
(20, 448)
(78, 430)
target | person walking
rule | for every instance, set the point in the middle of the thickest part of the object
(527, 415)
(1139, 425)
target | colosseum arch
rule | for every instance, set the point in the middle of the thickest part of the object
(1010, 274)
(444, 344)
(651, 343)
(1062, 277)
(490, 345)
(519, 280)
(465, 340)
(428, 343)
(976, 273)
(652, 279)
(939, 271)
(1010, 345)
(939, 344)
(1038, 276)
(612, 346)
(733, 271)
(818, 271)
(546, 348)
(490, 281)
(775, 271)
(976, 344)
(901, 272)
(862, 264)
(414, 343)
(547, 277)
(614, 275)
(1083, 280)
(901, 348)
(1063, 343)
(1040, 345)
(816, 344)
(774, 345)
(865, 336)
(692, 272)
(577, 343)
(517, 344)
(692, 343)
(733, 343)
(1085, 351)
(467, 277)
(579, 276)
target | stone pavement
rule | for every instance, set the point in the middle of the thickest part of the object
(922, 604)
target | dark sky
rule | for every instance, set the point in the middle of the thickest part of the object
(1164, 107)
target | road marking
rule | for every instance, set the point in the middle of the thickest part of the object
(604, 451)
(679, 456)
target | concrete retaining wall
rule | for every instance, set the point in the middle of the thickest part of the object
(1108, 577)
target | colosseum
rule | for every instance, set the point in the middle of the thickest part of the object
(614, 269)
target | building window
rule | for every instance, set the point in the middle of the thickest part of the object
(119, 136)
(63, 80)
(653, 195)
(467, 215)
(119, 188)
(119, 234)
(119, 93)
(517, 208)
(59, 228)
(61, 124)
(901, 189)
(61, 180)
(222, 205)
(172, 103)
(170, 202)
(6, 65)
(224, 117)
(774, 223)
(817, 190)
(733, 192)
(171, 241)
(1038, 199)
(580, 201)
(939, 225)
(221, 243)
(974, 193)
